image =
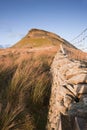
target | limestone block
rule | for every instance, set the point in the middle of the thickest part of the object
(81, 78)
(67, 101)
(81, 88)
(72, 74)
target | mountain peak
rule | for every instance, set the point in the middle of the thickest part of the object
(41, 33)
(41, 38)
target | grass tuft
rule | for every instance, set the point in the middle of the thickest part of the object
(25, 84)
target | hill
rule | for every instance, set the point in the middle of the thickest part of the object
(25, 80)
(40, 38)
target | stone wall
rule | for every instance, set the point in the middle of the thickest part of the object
(68, 88)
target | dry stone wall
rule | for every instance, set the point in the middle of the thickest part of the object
(68, 88)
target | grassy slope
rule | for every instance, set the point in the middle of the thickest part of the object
(40, 38)
(25, 85)
(34, 42)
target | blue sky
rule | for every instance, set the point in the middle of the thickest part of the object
(66, 18)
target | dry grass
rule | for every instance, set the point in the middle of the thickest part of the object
(25, 81)
(34, 42)
(25, 84)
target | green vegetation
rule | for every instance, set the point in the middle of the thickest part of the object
(34, 42)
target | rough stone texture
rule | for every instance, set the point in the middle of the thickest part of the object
(69, 87)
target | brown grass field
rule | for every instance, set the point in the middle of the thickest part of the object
(25, 84)
(25, 81)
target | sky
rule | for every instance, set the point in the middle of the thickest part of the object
(66, 18)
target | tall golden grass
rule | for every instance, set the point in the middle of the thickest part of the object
(25, 84)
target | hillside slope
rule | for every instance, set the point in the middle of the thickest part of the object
(25, 80)
(38, 38)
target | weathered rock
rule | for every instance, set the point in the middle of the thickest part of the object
(80, 78)
(81, 89)
(69, 84)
